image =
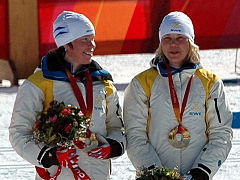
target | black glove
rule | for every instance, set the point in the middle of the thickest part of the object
(198, 174)
(47, 157)
(116, 148)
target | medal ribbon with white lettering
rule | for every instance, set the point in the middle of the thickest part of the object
(174, 98)
(79, 174)
(86, 110)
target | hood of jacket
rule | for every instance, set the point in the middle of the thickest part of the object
(54, 67)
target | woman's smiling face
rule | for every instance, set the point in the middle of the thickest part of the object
(81, 51)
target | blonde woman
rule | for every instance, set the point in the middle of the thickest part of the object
(176, 113)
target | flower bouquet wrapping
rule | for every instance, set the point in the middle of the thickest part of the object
(157, 173)
(62, 125)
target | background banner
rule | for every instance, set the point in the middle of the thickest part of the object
(131, 26)
(122, 26)
(4, 48)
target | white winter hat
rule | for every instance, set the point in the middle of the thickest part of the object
(69, 26)
(176, 23)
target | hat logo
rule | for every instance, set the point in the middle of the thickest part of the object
(88, 24)
(176, 25)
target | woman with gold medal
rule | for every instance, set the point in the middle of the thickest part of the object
(176, 113)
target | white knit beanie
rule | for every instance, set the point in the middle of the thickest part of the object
(69, 26)
(176, 23)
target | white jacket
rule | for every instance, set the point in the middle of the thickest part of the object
(149, 121)
(34, 95)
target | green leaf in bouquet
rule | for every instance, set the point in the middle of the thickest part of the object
(51, 139)
(159, 174)
(49, 132)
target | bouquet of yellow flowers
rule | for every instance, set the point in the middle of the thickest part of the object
(62, 125)
(157, 173)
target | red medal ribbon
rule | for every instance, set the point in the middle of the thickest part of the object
(43, 173)
(86, 109)
(174, 98)
(79, 174)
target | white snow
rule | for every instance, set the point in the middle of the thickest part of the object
(124, 68)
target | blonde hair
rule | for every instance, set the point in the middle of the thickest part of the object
(193, 54)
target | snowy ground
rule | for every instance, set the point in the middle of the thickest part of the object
(123, 69)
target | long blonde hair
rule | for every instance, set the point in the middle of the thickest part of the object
(193, 54)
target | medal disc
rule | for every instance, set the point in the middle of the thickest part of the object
(179, 137)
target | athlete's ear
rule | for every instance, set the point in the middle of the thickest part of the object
(68, 46)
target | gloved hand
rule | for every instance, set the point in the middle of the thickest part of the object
(67, 157)
(104, 149)
(47, 157)
(197, 174)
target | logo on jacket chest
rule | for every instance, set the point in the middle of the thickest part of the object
(98, 103)
(196, 109)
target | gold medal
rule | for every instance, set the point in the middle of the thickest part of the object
(179, 137)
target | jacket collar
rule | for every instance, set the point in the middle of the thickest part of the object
(162, 69)
(53, 67)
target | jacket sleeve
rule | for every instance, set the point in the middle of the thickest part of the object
(135, 115)
(29, 101)
(114, 122)
(220, 133)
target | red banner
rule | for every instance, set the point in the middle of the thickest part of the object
(4, 48)
(216, 22)
(131, 26)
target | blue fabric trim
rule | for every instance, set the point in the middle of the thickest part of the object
(164, 72)
(61, 76)
(53, 75)
(99, 73)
